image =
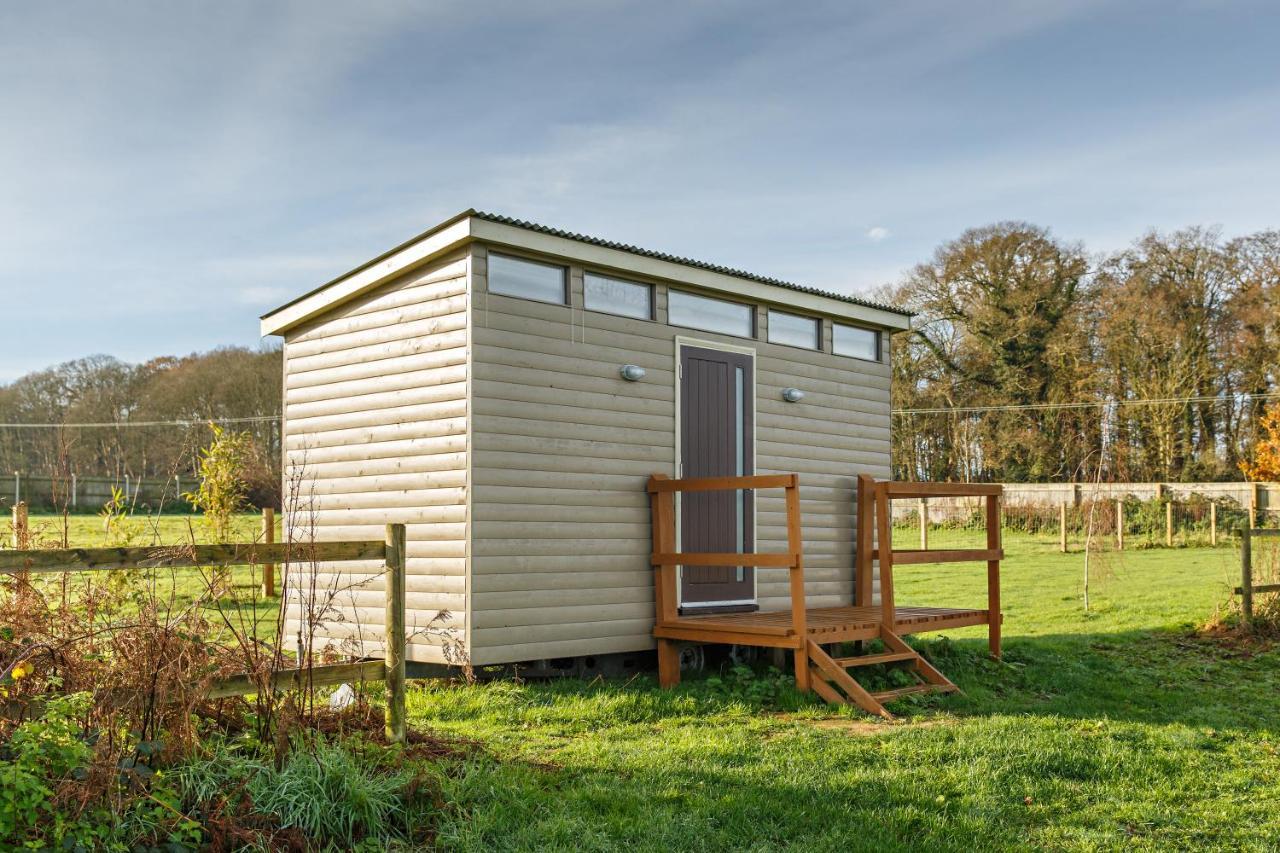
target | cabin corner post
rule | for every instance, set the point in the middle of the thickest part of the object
(994, 616)
(795, 547)
(395, 633)
(662, 520)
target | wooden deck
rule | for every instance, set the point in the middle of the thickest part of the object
(822, 625)
(808, 632)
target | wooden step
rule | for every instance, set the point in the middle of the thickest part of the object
(870, 660)
(890, 695)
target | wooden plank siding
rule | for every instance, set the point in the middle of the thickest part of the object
(376, 406)
(561, 449)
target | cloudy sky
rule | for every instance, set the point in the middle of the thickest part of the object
(170, 170)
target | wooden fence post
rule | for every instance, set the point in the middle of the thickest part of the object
(1213, 523)
(1168, 524)
(1246, 574)
(1062, 527)
(924, 524)
(21, 530)
(395, 638)
(268, 537)
(1253, 505)
(1119, 524)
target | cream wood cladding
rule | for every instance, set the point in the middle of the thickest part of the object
(562, 447)
(375, 433)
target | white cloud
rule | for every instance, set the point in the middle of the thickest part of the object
(877, 234)
(261, 294)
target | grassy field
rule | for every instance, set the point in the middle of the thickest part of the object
(1120, 728)
(1116, 729)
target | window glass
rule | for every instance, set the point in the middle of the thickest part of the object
(529, 279)
(793, 330)
(615, 296)
(710, 315)
(856, 342)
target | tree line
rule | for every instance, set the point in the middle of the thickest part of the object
(226, 385)
(1153, 363)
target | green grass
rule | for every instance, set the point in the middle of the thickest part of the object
(1116, 729)
(1120, 728)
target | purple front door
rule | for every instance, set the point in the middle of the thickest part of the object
(716, 440)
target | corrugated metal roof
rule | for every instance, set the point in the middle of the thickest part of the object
(595, 241)
(676, 259)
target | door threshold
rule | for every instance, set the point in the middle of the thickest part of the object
(710, 609)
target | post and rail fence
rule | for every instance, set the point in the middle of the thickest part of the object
(391, 551)
(1108, 515)
(1247, 586)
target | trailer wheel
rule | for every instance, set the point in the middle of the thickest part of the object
(693, 658)
(743, 655)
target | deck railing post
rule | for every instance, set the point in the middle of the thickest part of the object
(864, 583)
(795, 546)
(993, 576)
(663, 522)
(884, 532)
(395, 633)
(1246, 575)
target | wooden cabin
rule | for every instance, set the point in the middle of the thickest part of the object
(507, 390)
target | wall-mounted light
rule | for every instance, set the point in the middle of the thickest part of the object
(632, 372)
(792, 395)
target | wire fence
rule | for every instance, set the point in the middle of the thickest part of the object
(1101, 523)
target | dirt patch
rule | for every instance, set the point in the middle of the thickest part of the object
(1236, 641)
(368, 720)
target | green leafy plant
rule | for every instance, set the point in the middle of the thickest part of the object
(222, 490)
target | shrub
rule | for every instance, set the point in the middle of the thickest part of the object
(51, 799)
(329, 793)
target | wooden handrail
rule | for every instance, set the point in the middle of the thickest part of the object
(875, 542)
(913, 489)
(664, 558)
(917, 556)
(661, 483)
(755, 560)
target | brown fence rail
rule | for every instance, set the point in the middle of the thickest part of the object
(391, 552)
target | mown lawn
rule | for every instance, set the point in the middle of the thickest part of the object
(1117, 729)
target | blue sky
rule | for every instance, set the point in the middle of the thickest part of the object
(170, 170)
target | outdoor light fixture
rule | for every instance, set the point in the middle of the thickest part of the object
(792, 395)
(632, 372)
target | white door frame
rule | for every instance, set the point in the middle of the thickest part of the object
(701, 343)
